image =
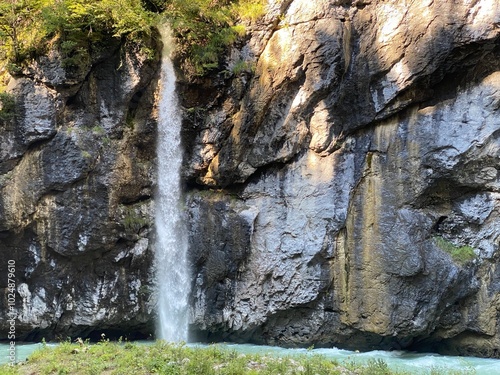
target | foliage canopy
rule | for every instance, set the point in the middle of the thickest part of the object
(203, 28)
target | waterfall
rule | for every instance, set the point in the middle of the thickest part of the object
(172, 271)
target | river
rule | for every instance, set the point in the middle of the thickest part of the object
(415, 363)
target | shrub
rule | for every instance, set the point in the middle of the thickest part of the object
(250, 10)
(7, 106)
(203, 28)
(27, 27)
(460, 254)
(19, 28)
(243, 66)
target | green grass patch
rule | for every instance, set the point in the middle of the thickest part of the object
(250, 10)
(7, 106)
(460, 254)
(133, 220)
(243, 66)
(173, 359)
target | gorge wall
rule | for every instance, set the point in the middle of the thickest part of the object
(328, 183)
(76, 181)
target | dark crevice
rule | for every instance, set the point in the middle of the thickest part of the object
(135, 200)
(436, 227)
(73, 100)
(440, 192)
(478, 60)
(39, 144)
(270, 168)
(449, 346)
(134, 101)
(98, 334)
(463, 67)
(435, 89)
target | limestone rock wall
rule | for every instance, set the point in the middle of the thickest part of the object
(341, 189)
(329, 186)
(76, 181)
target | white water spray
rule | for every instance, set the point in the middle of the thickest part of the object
(172, 271)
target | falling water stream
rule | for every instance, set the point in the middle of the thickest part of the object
(171, 245)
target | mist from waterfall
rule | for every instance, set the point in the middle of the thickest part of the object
(172, 270)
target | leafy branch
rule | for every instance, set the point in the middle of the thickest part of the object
(203, 28)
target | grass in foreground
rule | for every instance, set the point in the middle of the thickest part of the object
(171, 359)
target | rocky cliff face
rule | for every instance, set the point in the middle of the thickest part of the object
(346, 192)
(76, 172)
(342, 188)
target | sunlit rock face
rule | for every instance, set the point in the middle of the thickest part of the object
(329, 186)
(76, 172)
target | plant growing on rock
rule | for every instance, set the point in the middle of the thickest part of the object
(243, 66)
(76, 27)
(204, 29)
(460, 254)
(133, 221)
(7, 106)
(18, 28)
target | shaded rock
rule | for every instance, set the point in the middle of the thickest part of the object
(75, 195)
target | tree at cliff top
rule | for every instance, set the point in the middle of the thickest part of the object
(203, 28)
(19, 30)
(15, 16)
(29, 27)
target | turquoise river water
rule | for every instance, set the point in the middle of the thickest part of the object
(415, 363)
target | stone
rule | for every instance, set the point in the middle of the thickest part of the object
(76, 183)
(368, 130)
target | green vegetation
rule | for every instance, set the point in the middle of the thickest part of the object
(162, 358)
(17, 17)
(460, 254)
(134, 221)
(79, 29)
(86, 154)
(205, 28)
(243, 66)
(7, 106)
(98, 129)
(29, 27)
(250, 10)
(100, 132)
